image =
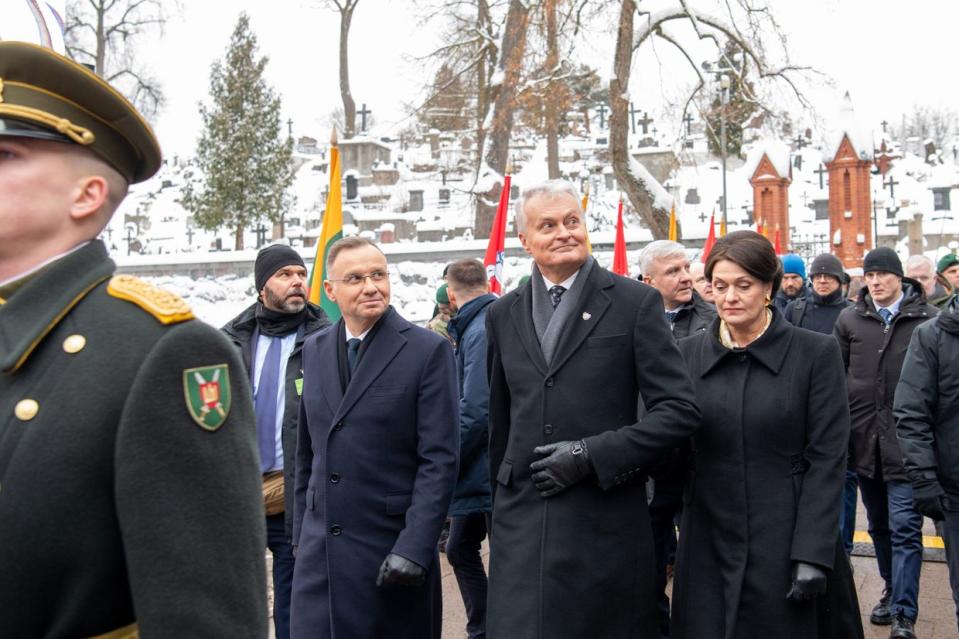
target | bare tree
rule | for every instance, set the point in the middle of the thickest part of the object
(105, 34)
(503, 91)
(749, 25)
(927, 123)
(345, 9)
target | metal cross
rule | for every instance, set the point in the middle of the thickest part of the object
(129, 239)
(800, 142)
(821, 171)
(602, 110)
(260, 235)
(702, 217)
(688, 120)
(363, 113)
(884, 125)
(289, 127)
(189, 235)
(632, 117)
(891, 183)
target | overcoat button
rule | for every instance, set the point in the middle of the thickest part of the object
(26, 409)
(74, 344)
(336, 530)
(338, 426)
(548, 429)
(549, 382)
(335, 478)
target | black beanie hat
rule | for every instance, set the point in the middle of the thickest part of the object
(271, 259)
(882, 259)
(827, 264)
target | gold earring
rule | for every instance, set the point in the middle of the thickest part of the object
(767, 300)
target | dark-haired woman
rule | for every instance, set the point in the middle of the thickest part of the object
(759, 553)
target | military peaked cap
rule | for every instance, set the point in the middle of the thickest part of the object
(48, 96)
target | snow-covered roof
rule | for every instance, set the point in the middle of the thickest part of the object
(860, 136)
(777, 152)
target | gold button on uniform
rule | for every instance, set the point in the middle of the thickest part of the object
(74, 343)
(26, 409)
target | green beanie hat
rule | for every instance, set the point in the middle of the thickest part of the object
(442, 297)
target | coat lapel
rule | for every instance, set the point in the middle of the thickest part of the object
(385, 346)
(593, 304)
(521, 312)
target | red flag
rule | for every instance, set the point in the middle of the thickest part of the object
(759, 227)
(776, 245)
(620, 264)
(710, 239)
(497, 242)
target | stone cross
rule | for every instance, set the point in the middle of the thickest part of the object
(645, 122)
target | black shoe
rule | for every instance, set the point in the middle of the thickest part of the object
(902, 628)
(882, 613)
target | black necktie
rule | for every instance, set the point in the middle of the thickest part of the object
(352, 350)
(556, 295)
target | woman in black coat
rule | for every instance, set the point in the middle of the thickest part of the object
(759, 553)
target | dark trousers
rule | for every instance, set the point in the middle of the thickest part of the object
(467, 533)
(950, 536)
(282, 549)
(847, 521)
(666, 504)
(896, 531)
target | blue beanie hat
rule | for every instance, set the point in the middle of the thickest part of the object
(792, 263)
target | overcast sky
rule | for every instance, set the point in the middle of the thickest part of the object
(888, 54)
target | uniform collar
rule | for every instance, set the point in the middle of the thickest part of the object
(40, 304)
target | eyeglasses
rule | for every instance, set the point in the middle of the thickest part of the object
(355, 279)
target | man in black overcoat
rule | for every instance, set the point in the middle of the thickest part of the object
(130, 495)
(569, 353)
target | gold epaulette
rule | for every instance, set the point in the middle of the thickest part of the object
(167, 307)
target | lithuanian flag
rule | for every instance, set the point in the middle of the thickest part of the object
(331, 231)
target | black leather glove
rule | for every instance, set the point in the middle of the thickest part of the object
(808, 582)
(927, 497)
(563, 464)
(400, 571)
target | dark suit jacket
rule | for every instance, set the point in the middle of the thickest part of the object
(580, 564)
(115, 506)
(241, 330)
(375, 471)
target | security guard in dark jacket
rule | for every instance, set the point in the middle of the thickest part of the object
(129, 486)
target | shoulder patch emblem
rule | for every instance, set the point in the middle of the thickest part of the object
(207, 393)
(166, 307)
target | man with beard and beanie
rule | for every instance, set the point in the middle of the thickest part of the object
(927, 424)
(666, 267)
(130, 498)
(571, 549)
(269, 335)
(873, 336)
(793, 286)
(818, 312)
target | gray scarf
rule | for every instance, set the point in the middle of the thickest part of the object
(549, 323)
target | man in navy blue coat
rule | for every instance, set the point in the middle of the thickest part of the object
(376, 463)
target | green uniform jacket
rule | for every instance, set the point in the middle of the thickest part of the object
(116, 506)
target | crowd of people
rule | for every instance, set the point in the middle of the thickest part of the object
(576, 422)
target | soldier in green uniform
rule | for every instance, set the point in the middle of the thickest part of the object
(130, 493)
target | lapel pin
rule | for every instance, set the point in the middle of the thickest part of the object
(586, 316)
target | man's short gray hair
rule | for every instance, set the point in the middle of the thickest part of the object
(920, 260)
(548, 188)
(657, 250)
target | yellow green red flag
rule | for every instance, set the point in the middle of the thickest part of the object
(673, 232)
(589, 245)
(331, 231)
